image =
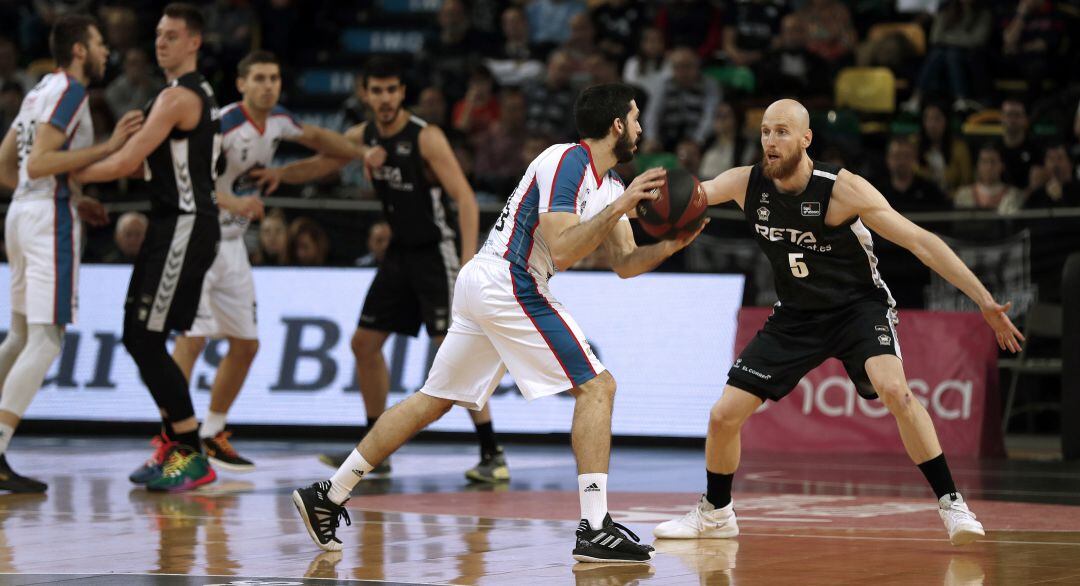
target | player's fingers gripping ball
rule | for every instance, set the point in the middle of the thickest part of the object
(680, 209)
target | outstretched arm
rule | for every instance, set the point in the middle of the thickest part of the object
(857, 193)
(727, 186)
(630, 260)
(48, 157)
(327, 142)
(440, 157)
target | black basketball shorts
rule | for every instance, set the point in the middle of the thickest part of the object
(793, 343)
(412, 287)
(167, 280)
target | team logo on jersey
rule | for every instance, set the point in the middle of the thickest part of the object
(403, 148)
(763, 214)
(810, 208)
(884, 340)
(764, 197)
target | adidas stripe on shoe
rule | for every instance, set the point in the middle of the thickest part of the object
(612, 542)
(321, 515)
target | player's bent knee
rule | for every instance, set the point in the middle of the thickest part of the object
(894, 393)
(601, 386)
(722, 420)
(246, 349)
(365, 344)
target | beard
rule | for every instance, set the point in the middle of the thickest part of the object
(781, 169)
(624, 148)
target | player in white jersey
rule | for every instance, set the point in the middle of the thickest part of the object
(251, 129)
(505, 318)
(51, 136)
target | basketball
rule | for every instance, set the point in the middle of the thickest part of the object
(679, 209)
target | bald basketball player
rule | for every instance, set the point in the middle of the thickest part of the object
(813, 221)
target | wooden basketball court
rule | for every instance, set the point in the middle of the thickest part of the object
(861, 520)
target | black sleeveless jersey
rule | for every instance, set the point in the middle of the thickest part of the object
(182, 169)
(415, 206)
(816, 267)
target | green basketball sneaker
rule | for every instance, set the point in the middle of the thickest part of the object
(185, 469)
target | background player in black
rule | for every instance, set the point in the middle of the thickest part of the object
(177, 148)
(413, 170)
(808, 218)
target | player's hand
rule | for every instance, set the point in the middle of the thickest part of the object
(1008, 337)
(375, 157)
(250, 207)
(129, 124)
(688, 236)
(644, 187)
(92, 211)
(267, 179)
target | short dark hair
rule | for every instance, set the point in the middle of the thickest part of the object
(255, 58)
(382, 67)
(191, 16)
(599, 106)
(69, 30)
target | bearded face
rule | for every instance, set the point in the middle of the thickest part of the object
(624, 147)
(779, 165)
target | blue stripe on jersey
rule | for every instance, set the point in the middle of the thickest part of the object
(234, 118)
(68, 104)
(280, 110)
(556, 333)
(567, 180)
(64, 253)
(526, 219)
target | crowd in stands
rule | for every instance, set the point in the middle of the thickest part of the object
(943, 104)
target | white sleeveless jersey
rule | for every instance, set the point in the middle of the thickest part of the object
(60, 100)
(245, 146)
(562, 179)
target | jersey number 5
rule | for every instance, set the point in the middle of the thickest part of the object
(798, 267)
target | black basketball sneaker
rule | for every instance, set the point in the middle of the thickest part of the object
(320, 514)
(11, 481)
(222, 454)
(610, 543)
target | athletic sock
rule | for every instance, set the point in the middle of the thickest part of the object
(346, 477)
(937, 474)
(718, 491)
(6, 431)
(212, 425)
(485, 433)
(592, 491)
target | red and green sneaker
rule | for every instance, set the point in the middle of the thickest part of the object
(185, 469)
(151, 469)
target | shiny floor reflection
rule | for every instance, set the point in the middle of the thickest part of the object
(820, 521)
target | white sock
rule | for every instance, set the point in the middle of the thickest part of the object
(592, 490)
(6, 431)
(346, 477)
(212, 425)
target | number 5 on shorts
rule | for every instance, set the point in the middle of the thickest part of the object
(798, 268)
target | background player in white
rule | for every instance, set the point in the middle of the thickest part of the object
(251, 130)
(568, 203)
(51, 136)
(785, 136)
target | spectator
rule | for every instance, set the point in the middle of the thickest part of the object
(515, 62)
(691, 23)
(1074, 149)
(135, 87)
(128, 237)
(582, 40)
(958, 36)
(648, 67)
(830, 33)
(905, 190)
(273, 240)
(121, 32)
(602, 69)
(479, 109)
(378, 240)
(549, 20)
(499, 149)
(790, 69)
(1061, 188)
(308, 243)
(1031, 39)
(11, 96)
(684, 107)
(1019, 151)
(989, 192)
(753, 24)
(943, 158)
(618, 27)
(551, 102)
(9, 67)
(228, 29)
(452, 53)
(688, 153)
(728, 148)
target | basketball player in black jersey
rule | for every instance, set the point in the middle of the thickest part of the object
(811, 220)
(177, 150)
(413, 170)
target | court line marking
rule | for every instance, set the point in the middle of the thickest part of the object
(196, 576)
(872, 538)
(767, 478)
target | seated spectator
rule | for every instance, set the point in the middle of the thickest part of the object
(905, 190)
(579, 45)
(943, 158)
(618, 27)
(1061, 189)
(752, 26)
(499, 149)
(648, 68)
(691, 23)
(830, 33)
(308, 244)
(1031, 40)
(378, 240)
(128, 237)
(549, 20)
(535, 143)
(479, 109)
(273, 240)
(602, 69)
(515, 61)
(684, 107)
(989, 192)
(431, 107)
(790, 69)
(960, 32)
(1019, 150)
(688, 153)
(551, 102)
(134, 88)
(727, 148)
(451, 54)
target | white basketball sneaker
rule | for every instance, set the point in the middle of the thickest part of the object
(959, 520)
(704, 521)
